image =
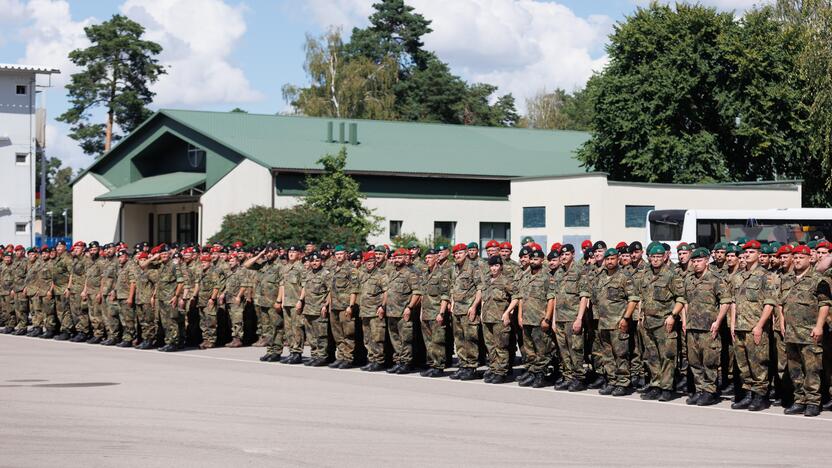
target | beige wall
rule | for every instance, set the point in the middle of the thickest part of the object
(93, 220)
(249, 184)
(607, 201)
(135, 220)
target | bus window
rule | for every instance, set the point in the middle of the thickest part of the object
(707, 233)
(666, 225)
(766, 230)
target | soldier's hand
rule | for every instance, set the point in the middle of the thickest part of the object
(323, 312)
(623, 325)
(406, 314)
(577, 326)
(714, 329)
(181, 303)
(817, 334)
(472, 314)
(544, 324)
(520, 319)
(299, 306)
(83, 295)
(669, 322)
(783, 328)
(210, 302)
(733, 335)
(236, 301)
(66, 294)
(130, 302)
(278, 306)
(172, 302)
(440, 318)
(380, 312)
(221, 299)
(758, 334)
(348, 312)
(506, 319)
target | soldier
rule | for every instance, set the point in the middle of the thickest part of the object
(47, 292)
(614, 299)
(466, 285)
(30, 291)
(498, 304)
(416, 256)
(79, 303)
(436, 288)
(806, 298)
(92, 293)
(122, 300)
(21, 302)
(145, 302)
(293, 275)
(535, 319)
(571, 296)
(170, 285)
(264, 285)
(750, 322)
(7, 316)
(232, 297)
(372, 299)
(403, 294)
(708, 299)
(61, 273)
(207, 290)
(345, 289)
(314, 304)
(662, 297)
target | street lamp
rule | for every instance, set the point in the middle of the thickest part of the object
(66, 226)
(49, 213)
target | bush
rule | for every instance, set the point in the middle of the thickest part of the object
(405, 238)
(260, 225)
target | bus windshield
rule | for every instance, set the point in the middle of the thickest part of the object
(666, 225)
(710, 231)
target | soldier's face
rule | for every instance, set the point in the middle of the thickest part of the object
(505, 254)
(684, 256)
(786, 261)
(535, 263)
(773, 262)
(699, 264)
(7, 259)
(340, 256)
(752, 256)
(60, 248)
(33, 256)
(310, 248)
(293, 255)
(315, 263)
(636, 255)
(656, 260)
(370, 265)
(764, 259)
(430, 260)
(801, 261)
(165, 256)
(443, 254)
(719, 256)
(379, 256)
(122, 259)
(611, 262)
(599, 255)
(233, 262)
(624, 259)
(399, 260)
(566, 257)
(77, 251)
(492, 251)
(459, 256)
(473, 253)
(94, 250)
(731, 259)
(205, 264)
(53, 255)
(554, 263)
(495, 269)
(524, 261)
(414, 252)
(822, 252)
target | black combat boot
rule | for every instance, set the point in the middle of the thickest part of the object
(652, 394)
(666, 395)
(812, 411)
(693, 399)
(708, 399)
(620, 391)
(797, 408)
(577, 385)
(758, 403)
(62, 336)
(744, 402)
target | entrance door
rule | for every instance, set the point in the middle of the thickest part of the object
(186, 227)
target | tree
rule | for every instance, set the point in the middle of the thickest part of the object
(58, 194)
(396, 31)
(261, 225)
(338, 196)
(117, 70)
(237, 110)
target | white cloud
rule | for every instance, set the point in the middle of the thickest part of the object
(739, 6)
(344, 13)
(61, 146)
(198, 37)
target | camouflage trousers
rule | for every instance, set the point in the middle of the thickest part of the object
(497, 337)
(614, 349)
(111, 313)
(294, 329)
(703, 357)
(97, 313)
(374, 330)
(80, 316)
(265, 322)
(434, 335)
(36, 312)
(660, 356)
(571, 346)
(208, 323)
(343, 332)
(752, 360)
(48, 318)
(127, 316)
(63, 313)
(537, 348)
(637, 364)
(173, 321)
(805, 363)
(278, 338)
(21, 311)
(7, 316)
(148, 321)
(781, 358)
(401, 337)
(235, 316)
(466, 337)
(316, 334)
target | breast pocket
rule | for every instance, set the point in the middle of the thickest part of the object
(753, 291)
(614, 294)
(661, 292)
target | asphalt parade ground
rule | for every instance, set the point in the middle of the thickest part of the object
(67, 404)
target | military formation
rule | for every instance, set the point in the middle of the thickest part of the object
(747, 320)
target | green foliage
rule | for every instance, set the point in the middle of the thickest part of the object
(694, 95)
(404, 239)
(58, 194)
(116, 71)
(237, 110)
(558, 110)
(260, 225)
(338, 196)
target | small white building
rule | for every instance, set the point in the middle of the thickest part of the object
(21, 124)
(176, 176)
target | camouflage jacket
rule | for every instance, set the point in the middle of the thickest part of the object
(316, 287)
(704, 295)
(436, 287)
(497, 294)
(569, 287)
(373, 285)
(465, 282)
(802, 297)
(659, 292)
(610, 295)
(402, 283)
(344, 283)
(534, 294)
(751, 292)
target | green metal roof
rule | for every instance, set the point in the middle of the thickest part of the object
(165, 185)
(296, 143)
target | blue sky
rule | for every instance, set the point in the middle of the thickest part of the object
(226, 54)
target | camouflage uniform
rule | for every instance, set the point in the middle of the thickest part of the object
(704, 295)
(373, 285)
(234, 281)
(436, 287)
(610, 296)
(265, 283)
(342, 321)
(274, 279)
(497, 294)
(32, 282)
(402, 284)
(94, 275)
(62, 270)
(167, 277)
(751, 293)
(659, 292)
(569, 287)
(465, 282)
(46, 295)
(20, 268)
(208, 280)
(7, 318)
(802, 296)
(316, 288)
(534, 294)
(78, 306)
(293, 274)
(110, 310)
(126, 277)
(145, 311)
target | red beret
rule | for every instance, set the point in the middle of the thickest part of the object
(492, 243)
(459, 247)
(369, 256)
(402, 252)
(45, 248)
(237, 245)
(783, 250)
(188, 250)
(155, 250)
(621, 245)
(142, 256)
(79, 244)
(801, 250)
(823, 245)
(216, 248)
(556, 247)
(205, 258)
(19, 247)
(752, 244)
(586, 244)
(535, 246)
(505, 245)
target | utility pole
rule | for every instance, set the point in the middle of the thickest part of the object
(66, 225)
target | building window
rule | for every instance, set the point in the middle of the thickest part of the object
(500, 232)
(20, 90)
(576, 216)
(635, 216)
(534, 216)
(395, 228)
(20, 228)
(444, 229)
(21, 158)
(186, 227)
(163, 229)
(196, 156)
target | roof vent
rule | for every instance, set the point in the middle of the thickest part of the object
(353, 133)
(329, 132)
(342, 138)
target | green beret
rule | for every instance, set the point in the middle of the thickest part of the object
(719, 246)
(656, 249)
(775, 245)
(812, 244)
(412, 245)
(473, 245)
(731, 248)
(441, 246)
(610, 252)
(652, 244)
(700, 252)
(742, 240)
(380, 248)
(340, 248)
(767, 249)
(527, 239)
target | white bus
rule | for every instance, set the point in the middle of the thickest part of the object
(707, 227)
